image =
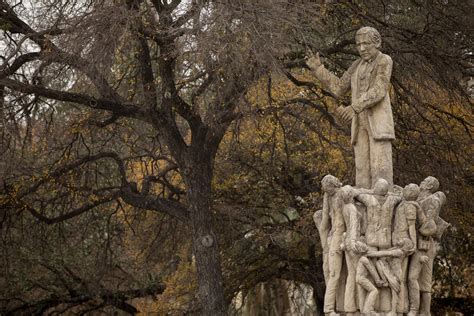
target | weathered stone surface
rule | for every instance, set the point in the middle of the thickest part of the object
(379, 241)
(389, 263)
(372, 129)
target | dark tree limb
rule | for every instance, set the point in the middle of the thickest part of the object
(117, 299)
(18, 63)
(328, 116)
(120, 109)
(76, 212)
(50, 52)
(155, 178)
(70, 166)
(170, 207)
(146, 71)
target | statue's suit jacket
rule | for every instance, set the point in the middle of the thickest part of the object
(369, 93)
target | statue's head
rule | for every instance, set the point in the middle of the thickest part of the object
(381, 187)
(330, 184)
(430, 184)
(368, 42)
(347, 194)
(411, 192)
(405, 244)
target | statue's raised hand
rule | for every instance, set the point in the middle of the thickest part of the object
(313, 60)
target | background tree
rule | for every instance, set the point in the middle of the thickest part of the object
(178, 68)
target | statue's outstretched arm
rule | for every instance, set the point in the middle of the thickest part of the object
(330, 82)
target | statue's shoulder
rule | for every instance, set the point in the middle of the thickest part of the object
(384, 59)
(431, 201)
(354, 65)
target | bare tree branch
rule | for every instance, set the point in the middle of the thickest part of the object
(120, 109)
(170, 207)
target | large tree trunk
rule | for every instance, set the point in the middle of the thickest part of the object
(206, 248)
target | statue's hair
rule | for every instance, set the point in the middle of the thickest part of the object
(330, 180)
(347, 193)
(374, 35)
(381, 186)
(411, 192)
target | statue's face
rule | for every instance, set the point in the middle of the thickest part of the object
(330, 184)
(429, 184)
(425, 184)
(366, 48)
(330, 189)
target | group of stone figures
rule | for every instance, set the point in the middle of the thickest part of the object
(379, 245)
(379, 240)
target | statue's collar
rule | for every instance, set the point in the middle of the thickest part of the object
(370, 61)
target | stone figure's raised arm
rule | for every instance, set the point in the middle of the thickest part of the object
(380, 87)
(365, 198)
(360, 191)
(428, 224)
(335, 85)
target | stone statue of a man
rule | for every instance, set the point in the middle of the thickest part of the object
(379, 205)
(352, 246)
(372, 128)
(421, 264)
(332, 223)
(404, 229)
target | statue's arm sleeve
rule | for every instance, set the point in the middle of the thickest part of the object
(411, 221)
(365, 198)
(335, 85)
(421, 216)
(354, 229)
(428, 228)
(380, 87)
(323, 234)
(325, 216)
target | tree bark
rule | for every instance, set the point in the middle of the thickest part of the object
(206, 248)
